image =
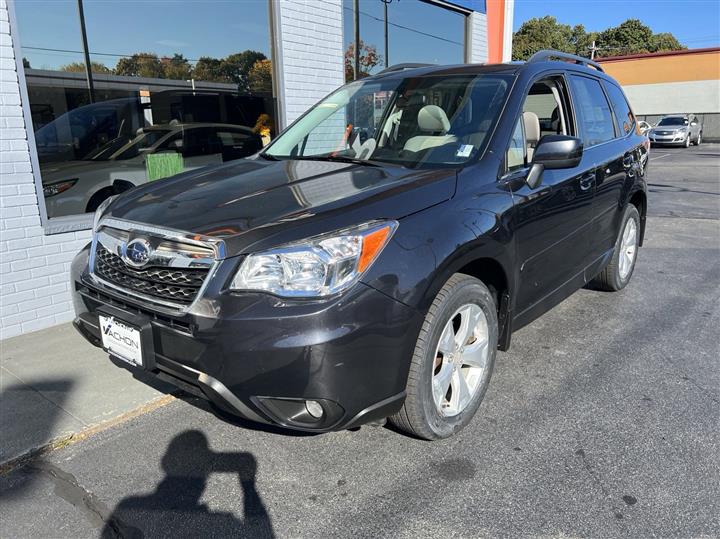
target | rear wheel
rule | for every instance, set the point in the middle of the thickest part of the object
(619, 270)
(453, 361)
(699, 139)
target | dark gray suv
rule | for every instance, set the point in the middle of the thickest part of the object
(374, 258)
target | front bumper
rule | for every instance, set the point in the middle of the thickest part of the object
(261, 357)
(669, 140)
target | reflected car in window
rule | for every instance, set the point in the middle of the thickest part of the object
(80, 186)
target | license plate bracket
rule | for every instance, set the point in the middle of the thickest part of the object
(144, 334)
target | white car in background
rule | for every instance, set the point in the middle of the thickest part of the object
(677, 130)
(644, 127)
(80, 186)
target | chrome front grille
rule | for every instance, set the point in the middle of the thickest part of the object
(174, 284)
(172, 275)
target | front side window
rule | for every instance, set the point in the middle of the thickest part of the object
(623, 115)
(593, 111)
(414, 121)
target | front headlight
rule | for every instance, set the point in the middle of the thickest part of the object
(316, 267)
(52, 189)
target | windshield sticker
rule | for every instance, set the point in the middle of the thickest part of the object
(464, 151)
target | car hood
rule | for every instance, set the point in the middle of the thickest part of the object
(252, 202)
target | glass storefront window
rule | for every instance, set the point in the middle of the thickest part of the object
(417, 32)
(176, 85)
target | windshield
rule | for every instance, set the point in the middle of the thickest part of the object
(142, 142)
(673, 121)
(103, 153)
(416, 121)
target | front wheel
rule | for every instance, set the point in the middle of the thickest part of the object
(687, 140)
(619, 270)
(453, 361)
(699, 139)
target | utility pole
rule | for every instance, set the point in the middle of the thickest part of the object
(387, 53)
(88, 67)
(357, 38)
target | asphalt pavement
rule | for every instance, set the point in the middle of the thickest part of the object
(603, 420)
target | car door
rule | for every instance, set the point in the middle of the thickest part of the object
(611, 156)
(552, 221)
(619, 161)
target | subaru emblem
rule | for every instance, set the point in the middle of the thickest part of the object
(137, 253)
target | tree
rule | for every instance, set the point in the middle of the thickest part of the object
(236, 67)
(547, 33)
(260, 77)
(141, 64)
(209, 69)
(79, 67)
(369, 58)
(629, 37)
(177, 67)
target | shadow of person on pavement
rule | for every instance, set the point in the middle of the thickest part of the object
(174, 508)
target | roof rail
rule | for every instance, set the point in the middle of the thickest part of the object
(400, 67)
(548, 54)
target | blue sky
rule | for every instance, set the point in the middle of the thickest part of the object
(193, 28)
(696, 23)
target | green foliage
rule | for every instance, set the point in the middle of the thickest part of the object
(629, 37)
(141, 64)
(79, 67)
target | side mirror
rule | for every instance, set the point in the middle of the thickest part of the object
(693, 123)
(552, 152)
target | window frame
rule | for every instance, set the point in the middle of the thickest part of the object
(570, 122)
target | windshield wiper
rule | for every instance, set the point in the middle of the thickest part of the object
(335, 159)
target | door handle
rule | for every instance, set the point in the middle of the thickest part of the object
(586, 181)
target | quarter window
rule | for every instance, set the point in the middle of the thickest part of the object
(623, 114)
(593, 111)
(516, 151)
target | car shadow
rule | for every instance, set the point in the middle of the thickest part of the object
(175, 507)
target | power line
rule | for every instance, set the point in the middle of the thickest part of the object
(406, 28)
(137, 55)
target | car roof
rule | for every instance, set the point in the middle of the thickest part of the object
(529, 69)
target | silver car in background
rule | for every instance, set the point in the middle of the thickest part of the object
(677, 130)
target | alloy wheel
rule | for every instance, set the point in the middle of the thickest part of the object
(461, 360)
(628, 249)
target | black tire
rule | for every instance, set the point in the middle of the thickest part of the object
(610, 278)
(98, 198)
(419, 415)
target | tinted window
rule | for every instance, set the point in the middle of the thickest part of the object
(623, 114)
(593, 111)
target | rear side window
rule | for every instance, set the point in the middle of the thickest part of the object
(593, 111)
(623, 114)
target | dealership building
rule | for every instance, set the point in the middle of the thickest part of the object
(177, 86)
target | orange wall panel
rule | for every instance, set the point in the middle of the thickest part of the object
(496, 25)
(669, 68)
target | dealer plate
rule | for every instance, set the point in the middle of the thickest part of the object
(121, 339)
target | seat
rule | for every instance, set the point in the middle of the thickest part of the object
(531, 123)
(431, 119)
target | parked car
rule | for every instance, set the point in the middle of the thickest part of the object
(80, 186)
(677, 130)
(370, 263)
(644, 127)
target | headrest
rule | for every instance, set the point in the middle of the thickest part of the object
(532, 126)
(433, 118)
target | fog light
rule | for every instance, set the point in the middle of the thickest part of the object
(314, 408)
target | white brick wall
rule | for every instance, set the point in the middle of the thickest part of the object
(477, 37)
(310, 52)
(34, 286)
